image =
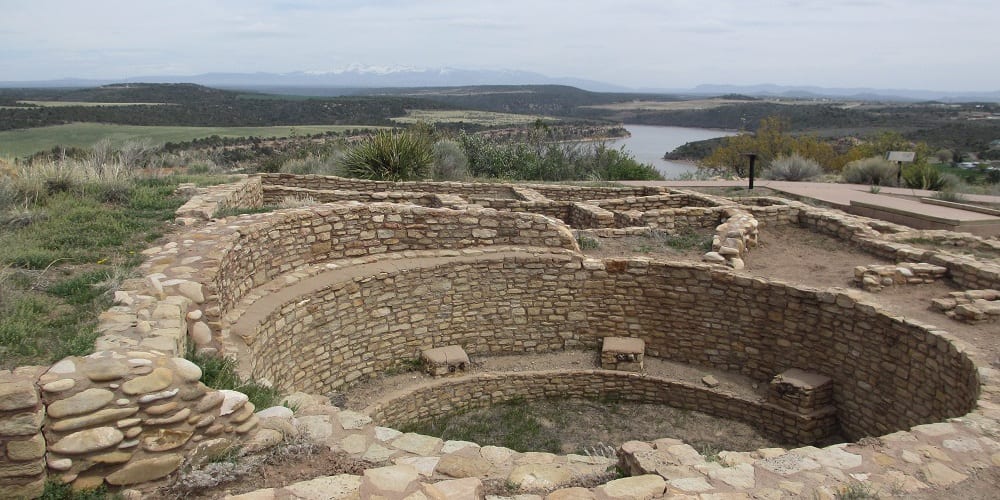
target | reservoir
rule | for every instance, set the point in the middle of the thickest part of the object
(650, 142)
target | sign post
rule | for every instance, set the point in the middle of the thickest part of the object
(753, 159)
(899, 157)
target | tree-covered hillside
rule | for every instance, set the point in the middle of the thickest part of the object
(194, 105)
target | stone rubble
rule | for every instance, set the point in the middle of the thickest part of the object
(970, 306)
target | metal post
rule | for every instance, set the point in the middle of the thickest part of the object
(899, 174)
(753, 159)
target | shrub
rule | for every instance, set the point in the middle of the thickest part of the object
(389, 156)
(618, 165)
(312, 164)
(872, 171)
(450, 162)
(924, 176)
(793, 168)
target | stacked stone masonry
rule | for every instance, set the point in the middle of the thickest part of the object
(970, 306)
(889, 373)
(22, 446)
(761, 328)
(874, 278)
(483, 390)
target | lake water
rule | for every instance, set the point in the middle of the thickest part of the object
(649, 143)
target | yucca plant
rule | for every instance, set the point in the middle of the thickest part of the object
(924, 176)
(390, 156)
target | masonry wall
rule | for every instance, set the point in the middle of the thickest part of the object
(658, 202)
(262, 248)
(274, 195)
(483, 390)
(332, 183)
(491, 190)
(246, 193)
(890, 373)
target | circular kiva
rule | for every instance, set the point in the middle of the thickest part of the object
(888, 373)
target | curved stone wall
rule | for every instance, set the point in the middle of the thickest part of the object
(270, 245)
(890, 373)
(483, 390)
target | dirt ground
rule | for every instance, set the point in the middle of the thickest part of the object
(790, 254)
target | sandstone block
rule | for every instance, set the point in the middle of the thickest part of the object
(632, 488)
(142, 471)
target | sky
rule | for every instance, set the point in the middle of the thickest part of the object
(910, 44)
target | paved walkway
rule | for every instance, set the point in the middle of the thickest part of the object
(898, 205)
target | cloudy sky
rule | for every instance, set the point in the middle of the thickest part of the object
(924, 44)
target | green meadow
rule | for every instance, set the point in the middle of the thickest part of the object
(23, 142)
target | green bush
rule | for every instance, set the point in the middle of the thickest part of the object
(312, 164)
(450, 163)
(924, 176)
(793, 168)
(871, 171)
(552, 161)
(389, 156)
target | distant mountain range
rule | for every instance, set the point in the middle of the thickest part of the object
(360, 77)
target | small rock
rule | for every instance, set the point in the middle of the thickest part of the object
(339, 487)
(28, 449)
(455, 489)
(80, 403)
(633, 488)
(186, 370)
(394, 481)
(158, 380)
(200, 333)
(710, 381)
(263, 439)
(232, 401)
(88, 441)
(104, 369)
(351, 420)
(541, 476)
(59, 385)
(166, 440)
(142, 471)
(275, 412)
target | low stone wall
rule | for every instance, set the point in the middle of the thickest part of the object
(555, 209)
(679, 219)
(585, 193)
(191, 284)
(264, 247)
(889, 373)
(587, 216)
(734, 238)
(961, 241)
(482, 390)
(273, 195)
(875, 277)
(247, 193)
(333, 183)
(658, 202)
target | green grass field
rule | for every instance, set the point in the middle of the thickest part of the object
(475, 117)
(23, 142)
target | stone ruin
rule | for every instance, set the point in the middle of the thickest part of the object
(318, 298)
